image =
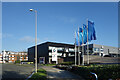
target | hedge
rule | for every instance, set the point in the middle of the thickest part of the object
(104, 72)
(67, 63)
(18, 61)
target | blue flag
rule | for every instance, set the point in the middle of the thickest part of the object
(76, 38)
(84, 33)
(80, 35)
(91, 31)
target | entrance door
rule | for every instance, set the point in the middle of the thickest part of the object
(42, 60)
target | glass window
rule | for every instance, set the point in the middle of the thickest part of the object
(24, 56)
(94, 49)
(98, 49)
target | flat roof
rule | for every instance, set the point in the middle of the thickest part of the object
(65, 44)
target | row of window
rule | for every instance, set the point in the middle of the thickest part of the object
(97, 49)
(61, 49)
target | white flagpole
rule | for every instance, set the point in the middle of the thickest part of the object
(82, 47)
(78, 48)
(87, 43)
(75, 48)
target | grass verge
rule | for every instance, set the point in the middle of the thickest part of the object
(40, 75)
(47, 64)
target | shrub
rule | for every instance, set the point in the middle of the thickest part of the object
(18, 61)
(67, 63)
(104, 72)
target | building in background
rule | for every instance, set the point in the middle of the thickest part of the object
(66, 52)
(1, 60)
(11, 57)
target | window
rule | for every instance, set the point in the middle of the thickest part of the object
(96, 49)
(101, 49)
(70, 49)
(60, 48)
(24, 56)
(18, 57)
(50, 48)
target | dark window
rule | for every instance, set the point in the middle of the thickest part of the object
(18, 57)
(24, 56)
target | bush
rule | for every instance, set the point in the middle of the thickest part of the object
(104, 72)
(67, 63)
(18, 61)
(40, 75)
(49, 64)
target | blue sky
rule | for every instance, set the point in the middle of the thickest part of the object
(57, 22)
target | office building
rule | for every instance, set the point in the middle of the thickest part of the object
(59, 52)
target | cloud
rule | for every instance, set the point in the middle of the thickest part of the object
(6, 35)
(29, 39)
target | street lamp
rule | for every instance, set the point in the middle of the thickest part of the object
(35, 39)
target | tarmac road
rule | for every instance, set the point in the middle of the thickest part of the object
(16, 72)
(58, 74)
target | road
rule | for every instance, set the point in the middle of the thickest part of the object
(16, 72)
(0, 71)
(21, 72)
(58, 74)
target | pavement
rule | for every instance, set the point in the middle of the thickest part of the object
(16, 72)
(58, 74)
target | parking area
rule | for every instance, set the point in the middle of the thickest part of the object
(16, 72)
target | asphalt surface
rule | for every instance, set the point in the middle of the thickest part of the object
(58, 74)
(21, 72)
(16, 72)
(0, 71)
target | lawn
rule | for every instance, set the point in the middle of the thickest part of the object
(40, 75)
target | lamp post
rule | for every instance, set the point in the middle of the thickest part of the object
(35, 39)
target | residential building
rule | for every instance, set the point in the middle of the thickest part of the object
(11, 57)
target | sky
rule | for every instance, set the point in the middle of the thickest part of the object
(57, 22)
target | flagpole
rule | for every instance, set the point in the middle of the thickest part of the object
(75, 48)
(82, 47)
(78, 48)
(87, 43)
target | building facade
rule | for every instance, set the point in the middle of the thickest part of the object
(66, 52)
(11, 57)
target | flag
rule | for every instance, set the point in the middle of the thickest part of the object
(76, 39)
(80, 35)
(84, 33)
(91, 31)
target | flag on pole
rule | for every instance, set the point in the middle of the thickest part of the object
(91, 31)
(84, 33)
(76, 39)
(80, 35)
